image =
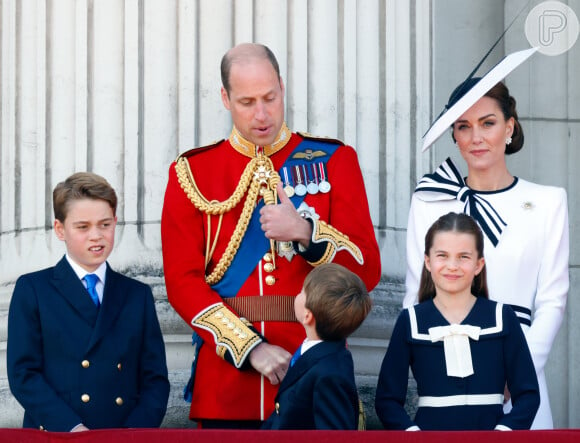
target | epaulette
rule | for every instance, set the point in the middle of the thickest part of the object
(194, 151)
(309, 136)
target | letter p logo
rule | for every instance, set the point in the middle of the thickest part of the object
(551, 23)
(552, 27)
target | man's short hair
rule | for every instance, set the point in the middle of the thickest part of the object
(245, 51)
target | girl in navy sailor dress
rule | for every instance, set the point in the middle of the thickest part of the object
(463, 348)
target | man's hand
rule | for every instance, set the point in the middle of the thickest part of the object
(282, 222)
(271, 361)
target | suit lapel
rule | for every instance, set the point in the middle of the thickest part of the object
(113, 300)
(69, 286)
(309, 359)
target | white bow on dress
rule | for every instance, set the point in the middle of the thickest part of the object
(456, 346)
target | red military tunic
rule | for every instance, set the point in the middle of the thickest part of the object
(222, 391)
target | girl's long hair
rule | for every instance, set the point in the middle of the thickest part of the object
(463, 224)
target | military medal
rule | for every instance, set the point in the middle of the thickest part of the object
(312, 187)
(323, 185)
(300, 188)
(288, 189)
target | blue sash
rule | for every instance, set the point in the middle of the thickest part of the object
(255, 244)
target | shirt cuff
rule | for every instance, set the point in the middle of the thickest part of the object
(314, 251)
(502, 428)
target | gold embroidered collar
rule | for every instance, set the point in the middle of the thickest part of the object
(249, 149)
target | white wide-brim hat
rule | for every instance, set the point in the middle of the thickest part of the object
(470, 91)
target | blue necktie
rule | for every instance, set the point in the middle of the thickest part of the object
(296, 356)
(91, 280)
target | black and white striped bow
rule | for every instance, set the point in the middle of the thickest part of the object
(446, 183)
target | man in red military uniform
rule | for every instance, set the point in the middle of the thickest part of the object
(244, 221)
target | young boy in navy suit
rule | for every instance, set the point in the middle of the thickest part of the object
(319, 390)
(85, 349)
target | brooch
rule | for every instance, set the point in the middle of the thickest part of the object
(528, 206)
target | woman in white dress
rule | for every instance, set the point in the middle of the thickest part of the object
(525, 224)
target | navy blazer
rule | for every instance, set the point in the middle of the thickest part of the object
(70, 362)
(318, 392)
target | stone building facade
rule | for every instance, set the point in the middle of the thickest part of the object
(120, 87)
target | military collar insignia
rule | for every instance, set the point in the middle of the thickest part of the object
(249, 149)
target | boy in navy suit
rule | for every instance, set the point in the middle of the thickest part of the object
(319, 390)
(85, 349)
